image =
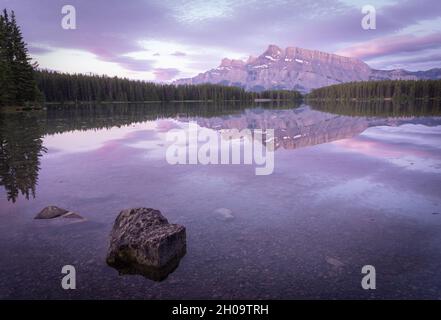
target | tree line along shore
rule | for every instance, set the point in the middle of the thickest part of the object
(380, 90)
(61, 87)
(55, 87)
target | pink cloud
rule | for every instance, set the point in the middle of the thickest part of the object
(392, 45)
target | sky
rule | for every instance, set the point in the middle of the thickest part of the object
(164, 40)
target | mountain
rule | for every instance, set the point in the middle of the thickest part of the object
(401, 74)
(300, 69)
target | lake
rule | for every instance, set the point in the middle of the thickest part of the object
(353, 185)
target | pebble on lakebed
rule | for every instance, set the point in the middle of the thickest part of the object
(52, 212)
(224, 214)
(143, 242)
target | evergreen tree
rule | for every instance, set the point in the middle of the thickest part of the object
(7, 89)
(3, 65)
(18, 85)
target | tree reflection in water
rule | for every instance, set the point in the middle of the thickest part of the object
(21, 146)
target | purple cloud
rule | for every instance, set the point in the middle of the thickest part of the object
(96, 30)
(179, 54)
(434, 58)
(38, 50)
(112, 28)
(165, 74)
(133, 64)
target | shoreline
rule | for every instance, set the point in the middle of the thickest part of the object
(372, 99)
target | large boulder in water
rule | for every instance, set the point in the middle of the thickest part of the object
(143, 242)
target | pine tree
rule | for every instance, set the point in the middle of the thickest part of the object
(3, 65)
(18, 85)
(8, 91)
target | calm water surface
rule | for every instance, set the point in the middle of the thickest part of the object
(352, 185)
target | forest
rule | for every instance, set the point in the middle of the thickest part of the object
(380, 90)
(62, 87)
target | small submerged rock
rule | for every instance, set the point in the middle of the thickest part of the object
(52, 212)
(334, 262)
(224, 214)
(143, 242)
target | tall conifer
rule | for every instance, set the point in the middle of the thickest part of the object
(18, 85)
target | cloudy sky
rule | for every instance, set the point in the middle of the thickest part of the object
(162, 40)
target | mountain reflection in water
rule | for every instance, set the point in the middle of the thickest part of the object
(295, 126)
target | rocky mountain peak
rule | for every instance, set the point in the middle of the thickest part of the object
(299, 69)
(273, 51)
(231, 63)
(225, 62)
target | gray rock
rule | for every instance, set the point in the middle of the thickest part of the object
(51, 212)
(143, 242)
